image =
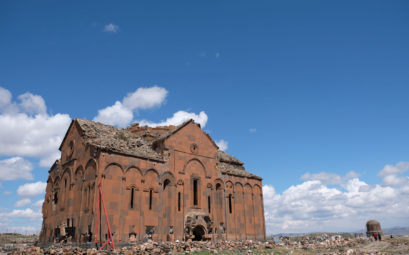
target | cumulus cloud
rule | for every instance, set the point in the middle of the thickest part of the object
(27, 129)
(391, 174)
(10, 222)
(38, 203)
(223, 145)
(32, 104)
(178, 118)
(145, 98)
(330, 178)
(22, 202)
(31, 189)
(5, 97)
(116, 115)
(15, 168)
(121, 113)
(313, 206)
(26, 213)
(111, 28)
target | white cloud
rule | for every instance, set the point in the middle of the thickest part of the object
(22, 229)
(32, 104)
(391, 174)
(31, 189)
(27, 130)
(26, 213)
(121, 113)
(178, 118)
(111, 28)
(330, 178)
(38, 203)
(5, 97)
(223, 145)
(116, 115)
(15, 168)
(145, 98)
(313, 206)
(22, 202)
(10, 221)
(252, 130)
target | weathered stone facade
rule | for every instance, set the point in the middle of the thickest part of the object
(165, 183)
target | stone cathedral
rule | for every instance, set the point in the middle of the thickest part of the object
(165, 183)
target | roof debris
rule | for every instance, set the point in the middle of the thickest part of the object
(138, 141)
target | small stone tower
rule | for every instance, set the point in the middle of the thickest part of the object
(373, 226)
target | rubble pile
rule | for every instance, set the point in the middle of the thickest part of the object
(308, 244)
(322, 242)
(177, 247)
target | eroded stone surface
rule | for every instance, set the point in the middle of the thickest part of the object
(162, 184)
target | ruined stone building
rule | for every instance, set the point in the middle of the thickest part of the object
(373, 226)
(165, 183)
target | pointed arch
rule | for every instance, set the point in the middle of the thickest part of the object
(110, 165)
(218, 184)
(249, 212)
(133, 177)
(239, 209)
(134, 168)
(79, 172)
(152, 170)
(193, 164)
(167, 176)
(90, 170)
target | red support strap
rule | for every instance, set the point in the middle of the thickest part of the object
(110, 240)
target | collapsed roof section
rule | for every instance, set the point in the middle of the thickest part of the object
(138, 141)
(230, 165)
(123, 141)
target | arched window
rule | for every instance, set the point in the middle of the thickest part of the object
(166, 183)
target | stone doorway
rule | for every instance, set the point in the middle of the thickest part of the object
(199, 233)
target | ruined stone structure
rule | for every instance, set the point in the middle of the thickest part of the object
(373, 226)
(165, 183)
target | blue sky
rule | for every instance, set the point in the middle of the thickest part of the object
(311, 95)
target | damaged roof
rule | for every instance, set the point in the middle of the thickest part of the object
(124, 141)
(227, 158)
(232, 166)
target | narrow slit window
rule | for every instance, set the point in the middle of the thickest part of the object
(178, 201)
(150, 199)
(208, 204)
(132, 195)
(230, 209)
(195, 193)
(55, 197)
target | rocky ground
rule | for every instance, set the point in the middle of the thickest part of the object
(308, 244)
